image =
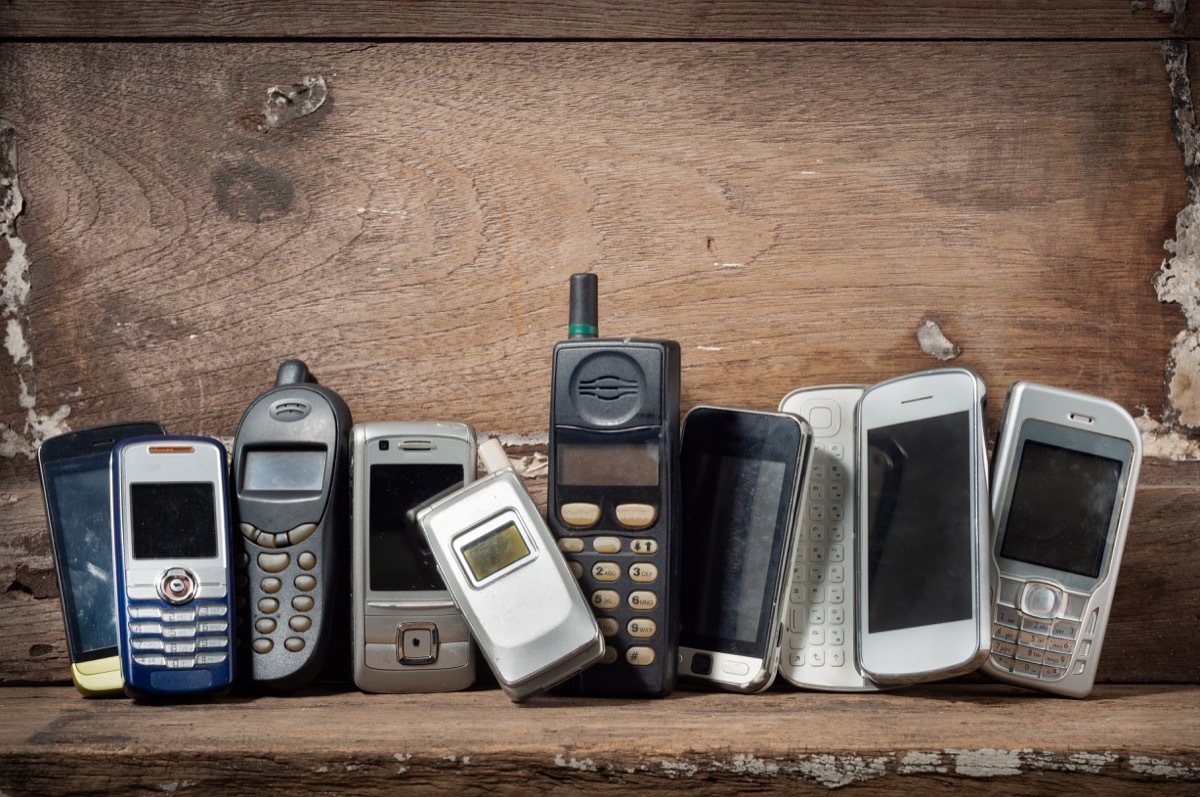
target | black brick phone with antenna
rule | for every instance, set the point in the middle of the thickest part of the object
(613, 500)
(291, 505)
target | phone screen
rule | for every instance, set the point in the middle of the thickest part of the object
(737, 480)
(919, 523)
(173, 520)
(79, 491)
(1062, 507)
(400, 559)
(289, 470)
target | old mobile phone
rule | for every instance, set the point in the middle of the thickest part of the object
(171, 555)
(408, 634)
(1064, 474)
(923, 557)
(75, 486)
(742, 475)
(501, 564)
(291, 476)
(817, 650)
(613, 494)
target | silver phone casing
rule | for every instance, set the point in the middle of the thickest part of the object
(1027, 401)
(532, 623)
(984, 564)
(383, 621)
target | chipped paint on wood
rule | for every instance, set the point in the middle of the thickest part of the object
(14, 298)
(1178, 280)
(934, 342)
(285, 104)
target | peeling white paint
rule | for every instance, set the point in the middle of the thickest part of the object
(745, 764)
(834, 771)
(678, 769)
(176, 785)
(710, 348)
(986, 763)
(581, 764)
(1162, 442)
(730, 265)
(916, 763)
(1170, 770)
(934, 342)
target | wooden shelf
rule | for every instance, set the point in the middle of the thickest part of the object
(979, 736)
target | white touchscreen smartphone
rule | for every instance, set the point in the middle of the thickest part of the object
(923, 555)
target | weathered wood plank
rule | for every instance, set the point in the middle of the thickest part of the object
(983, 738)
(789, 213)
(690, 19)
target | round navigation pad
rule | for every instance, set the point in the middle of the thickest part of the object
(176, 586)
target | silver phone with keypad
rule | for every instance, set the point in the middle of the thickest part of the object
(817, 645)
(1064, 475)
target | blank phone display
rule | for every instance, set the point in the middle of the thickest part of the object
(1062, 509)
(919, 523)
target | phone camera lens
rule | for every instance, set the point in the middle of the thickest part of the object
(383, 445)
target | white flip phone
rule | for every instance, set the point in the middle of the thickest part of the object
(500, 562)
(1065, 470)
(923, 555)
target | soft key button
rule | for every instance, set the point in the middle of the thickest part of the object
(607, 544)
(579, 514)
(570, 545)
(606, 571)
(301, 532)
(636, 516)
(274, 562)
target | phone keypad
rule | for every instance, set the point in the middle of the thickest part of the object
(277, 619)
(816, 619)
(1038, 630)
(171, 639)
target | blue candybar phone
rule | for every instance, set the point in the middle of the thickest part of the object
(171, 557)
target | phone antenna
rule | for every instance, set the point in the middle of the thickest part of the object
(293, 372)
(584, 315)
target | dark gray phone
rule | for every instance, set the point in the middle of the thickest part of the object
(291, 482)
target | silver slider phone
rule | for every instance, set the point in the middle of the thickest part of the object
(408, 636)
(1065, 470)
(502, 566)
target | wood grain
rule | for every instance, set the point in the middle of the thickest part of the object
(788, 212)
(573, 19)
(978, 738)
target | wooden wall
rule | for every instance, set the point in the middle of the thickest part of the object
(787, 189)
